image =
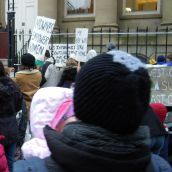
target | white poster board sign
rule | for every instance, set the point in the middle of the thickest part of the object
(81, 44)
(59, 52)
(161, 86)
(40, 37)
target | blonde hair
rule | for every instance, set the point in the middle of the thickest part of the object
(71, 62)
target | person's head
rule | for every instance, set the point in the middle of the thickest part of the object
(112, 91)
(111, 46)
(160, 110)
(47, 54)
(2, 70)
(71, 62)
(161, 59)
(91, 53)
(28, 60)
(169, 57)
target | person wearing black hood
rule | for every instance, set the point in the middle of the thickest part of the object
(10, 103)
(111, 97)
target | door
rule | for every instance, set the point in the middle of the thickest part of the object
(25, 16)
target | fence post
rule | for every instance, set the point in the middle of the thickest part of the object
(127, 38)
(67, 43)
(109, 34)
(166, 41)
(52, 42)
(16, 46)
(146, 42)
(92, 39)
(118, 38)
(59, 36)
(101, 39)
(156, 42)
(137, 40)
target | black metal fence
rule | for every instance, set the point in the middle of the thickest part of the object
(143, 43)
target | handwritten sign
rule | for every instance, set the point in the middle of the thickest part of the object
(161, 89)
(40, 37)
(59, 52)
(81, 44)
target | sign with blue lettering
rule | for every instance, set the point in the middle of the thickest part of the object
(40, 37)
(81, 44)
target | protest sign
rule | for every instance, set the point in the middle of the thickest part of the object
(81, 44)
(161, 86)
(40, 37)
(59, 52)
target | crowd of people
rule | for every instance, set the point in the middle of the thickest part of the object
(91, 117)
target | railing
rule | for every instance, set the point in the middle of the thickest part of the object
(144, 43)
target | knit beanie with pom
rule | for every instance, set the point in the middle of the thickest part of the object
(160, 110)
(112, 91)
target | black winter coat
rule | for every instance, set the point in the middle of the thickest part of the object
(87, 148)
(10, 104)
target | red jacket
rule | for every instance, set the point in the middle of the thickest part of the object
(3, 160)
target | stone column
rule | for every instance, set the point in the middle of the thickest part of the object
(106, 13)
(166, 13)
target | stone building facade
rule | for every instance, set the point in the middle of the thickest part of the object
(113, 13)
(123, 15)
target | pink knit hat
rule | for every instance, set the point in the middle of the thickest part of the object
(160, 110)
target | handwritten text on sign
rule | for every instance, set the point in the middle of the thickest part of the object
(40, 37)
(59, 52)
(161, 89)
(81, 44)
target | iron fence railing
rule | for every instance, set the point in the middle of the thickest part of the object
(144, 43)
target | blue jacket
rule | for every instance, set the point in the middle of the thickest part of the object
(35, 164)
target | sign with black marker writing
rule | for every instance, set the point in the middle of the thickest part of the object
(61, 51)
(81, 44)
(40, 37)
(161, 86)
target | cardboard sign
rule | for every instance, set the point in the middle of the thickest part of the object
(81, 44)
(59, 52)
(161, 87)
(40, 37)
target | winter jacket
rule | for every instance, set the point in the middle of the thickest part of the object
(87, 148)
(50, 74)
(3, 160)
(10, 103)
(44, 106)
(28, 81)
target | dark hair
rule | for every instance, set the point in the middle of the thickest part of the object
(109, 95)
(2, 69)
(47, 54)
(28, 60)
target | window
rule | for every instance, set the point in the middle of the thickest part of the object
(81, 8)
(137, 7)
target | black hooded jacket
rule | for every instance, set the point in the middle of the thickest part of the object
(87, 148)
(10, 104)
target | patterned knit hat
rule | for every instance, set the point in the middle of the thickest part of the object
(112, 91)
